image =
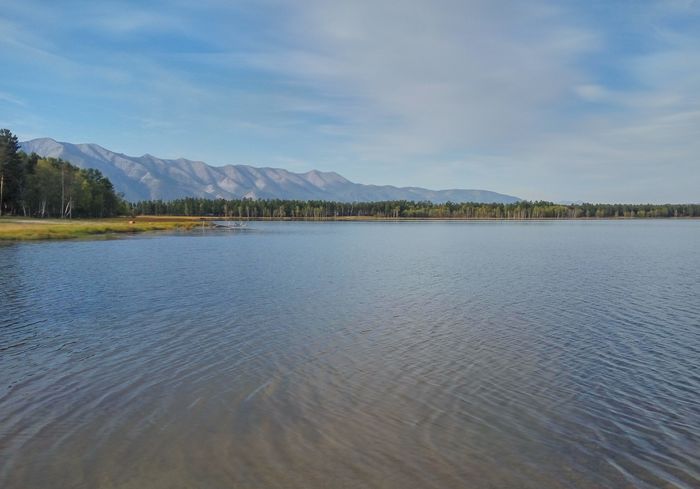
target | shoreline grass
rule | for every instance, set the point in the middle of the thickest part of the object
(33, 229)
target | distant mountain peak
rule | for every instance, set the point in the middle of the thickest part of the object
(149, 177)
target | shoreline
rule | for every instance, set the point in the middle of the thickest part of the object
(399, 219)
(17, 228)
(13, 229)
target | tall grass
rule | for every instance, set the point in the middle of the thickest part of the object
(37, 229)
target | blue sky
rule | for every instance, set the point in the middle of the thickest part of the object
(567, 100)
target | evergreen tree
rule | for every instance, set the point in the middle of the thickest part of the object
(11, 172)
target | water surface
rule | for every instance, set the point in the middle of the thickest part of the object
(392, 355)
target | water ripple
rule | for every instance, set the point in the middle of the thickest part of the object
(543, 355)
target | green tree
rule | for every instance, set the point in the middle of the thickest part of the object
(11, 172)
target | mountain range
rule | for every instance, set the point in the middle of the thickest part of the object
(147, 177)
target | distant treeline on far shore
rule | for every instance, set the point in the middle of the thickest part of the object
(320, 210)
(32, 186)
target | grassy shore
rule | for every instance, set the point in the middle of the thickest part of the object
(23, 229)
(27, 229)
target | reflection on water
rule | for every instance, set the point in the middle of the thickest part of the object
(385, 355)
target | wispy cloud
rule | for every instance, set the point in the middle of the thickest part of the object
(428, 79)
(8, 98)
(544, 99)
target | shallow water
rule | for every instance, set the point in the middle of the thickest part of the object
(393, 355)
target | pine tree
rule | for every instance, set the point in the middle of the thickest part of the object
(11, 172)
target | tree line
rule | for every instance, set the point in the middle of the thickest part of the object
(246, 209)
(32, 186)
(50, 187)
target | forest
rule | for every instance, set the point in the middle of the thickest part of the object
(32, 186)
(246, 209)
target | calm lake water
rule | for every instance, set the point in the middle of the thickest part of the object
(392, 355)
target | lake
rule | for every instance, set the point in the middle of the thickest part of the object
(355, 354)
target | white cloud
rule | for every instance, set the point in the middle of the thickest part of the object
(528, 98)
(435, 76)
(592, 92)
(504, 83)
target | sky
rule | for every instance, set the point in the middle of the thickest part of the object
(595, 100)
